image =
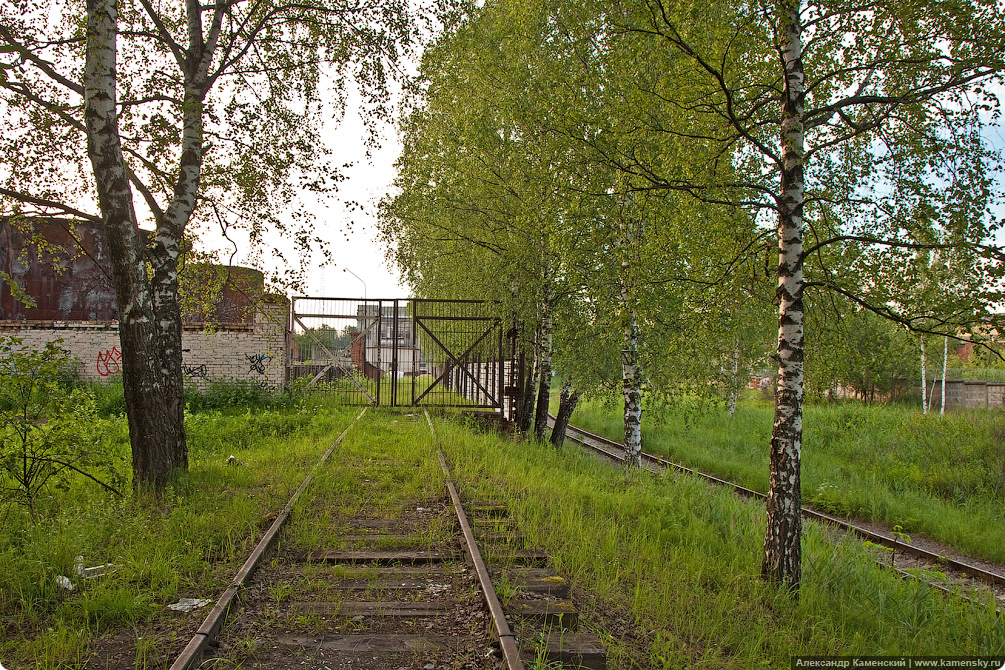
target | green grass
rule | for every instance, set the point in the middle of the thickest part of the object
(188, 543)
(673, 565)
(942, 476)
(345, 390)
(384, 463)
(214, 395)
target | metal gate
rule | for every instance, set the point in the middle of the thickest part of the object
(400, 352)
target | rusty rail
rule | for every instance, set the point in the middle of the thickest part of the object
(615, 451)
(507, 641)
(196, 647)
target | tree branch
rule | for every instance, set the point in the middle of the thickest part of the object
(49, 204)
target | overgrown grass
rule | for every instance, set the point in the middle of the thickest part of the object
(432, 391)
(187, 543)
(214, 395)
(682, 558)
(942, 476)
(384, 468)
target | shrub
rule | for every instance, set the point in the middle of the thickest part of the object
(237, 393)
(44, 424)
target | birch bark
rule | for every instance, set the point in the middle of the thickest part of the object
(782, 551)
(544, 370)
(632, 382)
(149, 416)
(167, 250)
(631, 371)
(734, 390)
(530, 386)
(945, 366)
(924, 381)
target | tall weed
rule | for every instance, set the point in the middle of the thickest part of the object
(187, 542)
(683, 559)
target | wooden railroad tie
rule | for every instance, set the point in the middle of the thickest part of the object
(540, 599)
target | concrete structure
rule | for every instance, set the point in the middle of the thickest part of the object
(967, 394)
(252, 353)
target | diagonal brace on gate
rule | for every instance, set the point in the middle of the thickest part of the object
(457, 361)
(335, 359)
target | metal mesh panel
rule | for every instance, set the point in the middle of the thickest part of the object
(332, 346)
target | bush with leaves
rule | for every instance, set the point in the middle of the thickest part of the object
(45, 424)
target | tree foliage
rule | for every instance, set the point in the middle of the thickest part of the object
(505, 191)
(843, 144)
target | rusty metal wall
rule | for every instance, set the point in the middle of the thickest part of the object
(220, 294)
(67, 281)
(65, 268)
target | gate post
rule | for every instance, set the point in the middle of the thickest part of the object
(415, 348)
(394, 355)
(501, 383)
(380, 329)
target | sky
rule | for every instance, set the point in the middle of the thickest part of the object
(368, 180)
(359, 268)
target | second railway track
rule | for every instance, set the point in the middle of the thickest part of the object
(961, 573)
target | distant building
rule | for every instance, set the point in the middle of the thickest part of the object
(64, 269)
(56, 284)
(383, 335)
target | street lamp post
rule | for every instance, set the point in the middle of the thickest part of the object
(360, 281)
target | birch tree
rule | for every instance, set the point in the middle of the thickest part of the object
(859, 125)
(209, 113)
(480, 179)
(631, 368)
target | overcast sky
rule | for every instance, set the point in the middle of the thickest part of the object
(366, 183)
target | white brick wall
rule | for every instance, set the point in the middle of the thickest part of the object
(256, 355)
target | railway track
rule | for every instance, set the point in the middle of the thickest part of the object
(914, 559)
(382, 570)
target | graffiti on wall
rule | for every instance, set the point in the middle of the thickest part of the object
(257, 362)
(109, 362)
(196, 371)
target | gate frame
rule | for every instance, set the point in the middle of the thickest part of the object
(496, 323)
(496, 397)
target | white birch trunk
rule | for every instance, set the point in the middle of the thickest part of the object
(166, 250)
(530, 387)
(631, 370)
(149, 420)
(734, 390)
(544, 379)
(782, 551)
(924, 380)
(945, 365)
(632, 382)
